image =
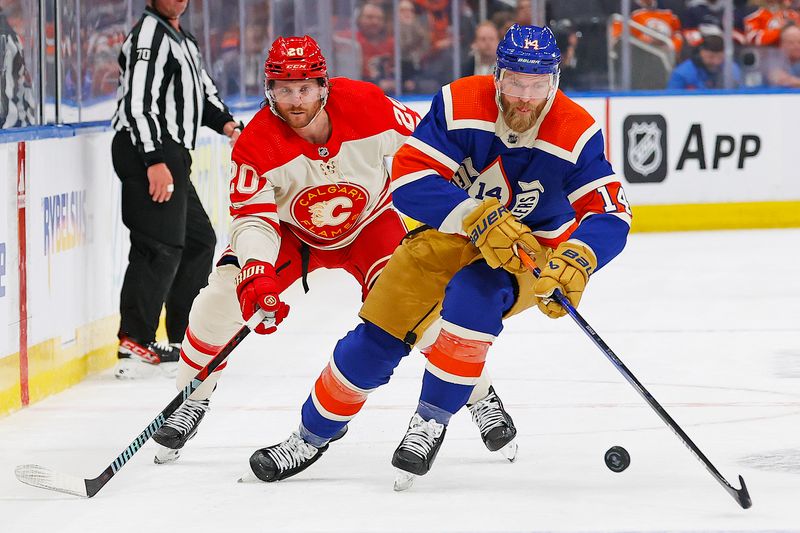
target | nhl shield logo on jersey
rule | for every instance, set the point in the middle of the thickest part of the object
(645, 148)
(329, 211)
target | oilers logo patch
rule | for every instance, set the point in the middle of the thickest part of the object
(329, 211)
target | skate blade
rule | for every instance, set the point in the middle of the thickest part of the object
(134, 369)
(509, 451)
(166, 455)
(403, 480)
(248, 477)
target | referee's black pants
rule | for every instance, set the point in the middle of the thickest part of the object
(172, 244)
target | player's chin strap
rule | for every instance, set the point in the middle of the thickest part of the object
(742, 496)
(319, 111)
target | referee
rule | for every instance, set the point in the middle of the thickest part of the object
(16, 93)
(165, 95)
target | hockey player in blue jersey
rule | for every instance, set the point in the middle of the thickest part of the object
(498, 161)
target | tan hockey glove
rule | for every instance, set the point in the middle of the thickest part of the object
(567, 269)
(494, 231)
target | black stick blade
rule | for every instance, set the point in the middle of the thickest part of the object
(743, 495)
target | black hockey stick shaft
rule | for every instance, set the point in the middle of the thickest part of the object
(93, 486)
(742, 496)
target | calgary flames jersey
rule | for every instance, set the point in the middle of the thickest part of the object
(324, 194)
(554, 177)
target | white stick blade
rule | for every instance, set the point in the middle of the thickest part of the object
(44, 478)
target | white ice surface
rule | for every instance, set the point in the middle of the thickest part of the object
(709, 322)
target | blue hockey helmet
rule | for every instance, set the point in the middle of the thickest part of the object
(528, 62)
(529, 50)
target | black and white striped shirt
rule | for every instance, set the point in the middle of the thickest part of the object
(164, 89)
(16, 91)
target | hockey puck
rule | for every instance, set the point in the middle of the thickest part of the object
(617, 459)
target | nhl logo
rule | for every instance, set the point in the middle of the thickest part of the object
(322, 151)
(645, 148)
(513, 138)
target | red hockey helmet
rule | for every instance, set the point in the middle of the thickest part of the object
(295, 58)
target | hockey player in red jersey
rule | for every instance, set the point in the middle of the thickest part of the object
(499, 161)
(309, 190)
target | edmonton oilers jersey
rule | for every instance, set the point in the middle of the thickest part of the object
(553, 177)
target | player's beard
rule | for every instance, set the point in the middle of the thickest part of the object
(301, 120)
(517, 119)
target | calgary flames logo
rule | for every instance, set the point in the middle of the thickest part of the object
(329, 211)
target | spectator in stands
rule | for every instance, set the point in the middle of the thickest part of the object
(16, 89)
(502, 20)
(567, 38)
(106, 30)
(377, 46)
(763, 25)
(484, 51)
(256, 42)
(701, 13)
(438, 65)
(661, 21)
(438, 14)
(414, 43)
(786, 73)
(523, 14)
(226, 63)
(704, 70)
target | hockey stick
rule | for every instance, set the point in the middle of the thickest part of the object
(45, 478)
(742, 496)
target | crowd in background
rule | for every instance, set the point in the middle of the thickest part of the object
(674, 44)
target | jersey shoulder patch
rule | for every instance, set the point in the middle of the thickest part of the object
(567, 126)
(470, 102)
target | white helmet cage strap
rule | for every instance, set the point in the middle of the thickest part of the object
(323, 96)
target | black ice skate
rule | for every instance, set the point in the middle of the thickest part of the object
(283, 460)
(495, 424)
(141, 360)
(417, 451)
(178, 429)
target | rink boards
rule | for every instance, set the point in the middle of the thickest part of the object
(687, 162)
